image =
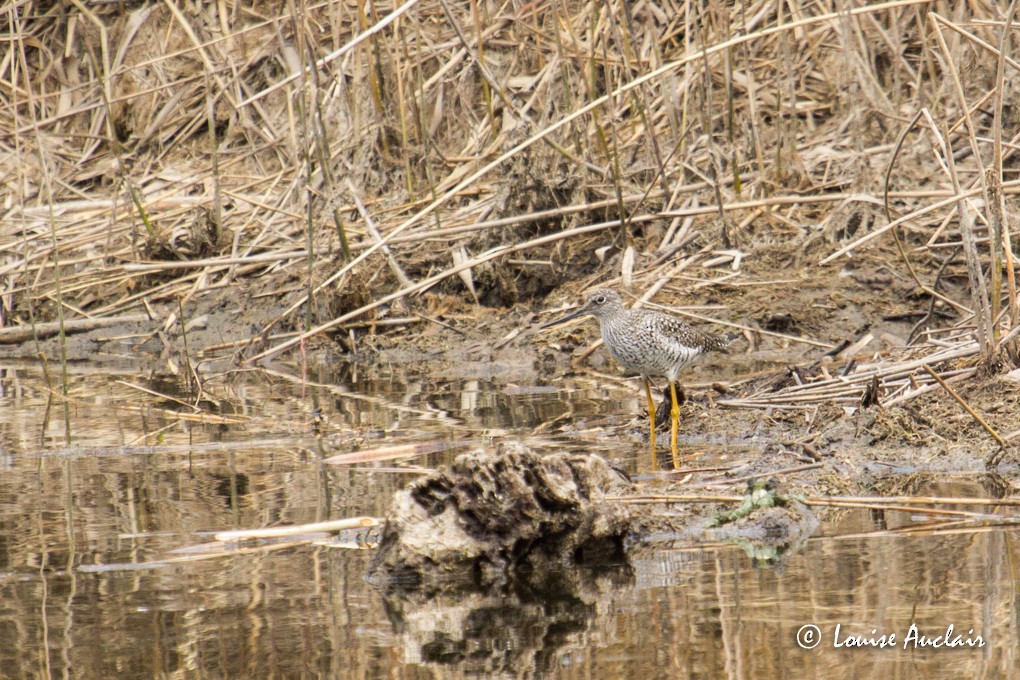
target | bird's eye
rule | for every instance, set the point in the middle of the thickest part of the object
(600, 300)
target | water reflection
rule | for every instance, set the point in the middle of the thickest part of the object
(524, 629)
(137, 484)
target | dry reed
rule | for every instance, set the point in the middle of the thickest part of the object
(184, 151)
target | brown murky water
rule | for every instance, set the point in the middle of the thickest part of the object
(100, 576)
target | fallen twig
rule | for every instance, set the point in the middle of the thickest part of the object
(966, 407)
(18, 334)
(298, 529)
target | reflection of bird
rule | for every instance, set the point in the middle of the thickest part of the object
(649, 343)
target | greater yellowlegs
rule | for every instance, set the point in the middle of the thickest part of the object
(649, 343)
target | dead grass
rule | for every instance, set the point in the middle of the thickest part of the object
(152, 155)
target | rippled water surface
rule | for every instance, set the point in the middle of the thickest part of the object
(106, 511)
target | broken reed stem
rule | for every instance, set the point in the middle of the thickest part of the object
(979, 292)
(330, 526)
(159, 395)
(310, 142)
(310, 260)
(395, 267)
(776, 473)
(714, 173)
(833, 503)
(322, 146)
(194, 382)
(62, 331)
(18, 334)
(902, 503)
(981, 421)
(1000, 215)
(888, 211)
(214, 144)
(47, 190)
(490, 109)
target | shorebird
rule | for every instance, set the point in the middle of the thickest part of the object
(651, 344)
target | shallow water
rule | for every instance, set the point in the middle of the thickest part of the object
(102, 514)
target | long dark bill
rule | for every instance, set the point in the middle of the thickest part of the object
(563, 319)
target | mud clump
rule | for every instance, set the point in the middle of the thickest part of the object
(767, 524)
(494, 517)
(770, 532)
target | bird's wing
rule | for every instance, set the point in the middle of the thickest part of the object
(671, 331)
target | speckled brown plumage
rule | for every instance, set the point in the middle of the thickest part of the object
(649, 343)
(644, 341)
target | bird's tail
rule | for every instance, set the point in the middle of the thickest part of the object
(721, 342)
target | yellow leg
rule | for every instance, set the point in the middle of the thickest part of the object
(674, 425)
(651, 417)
